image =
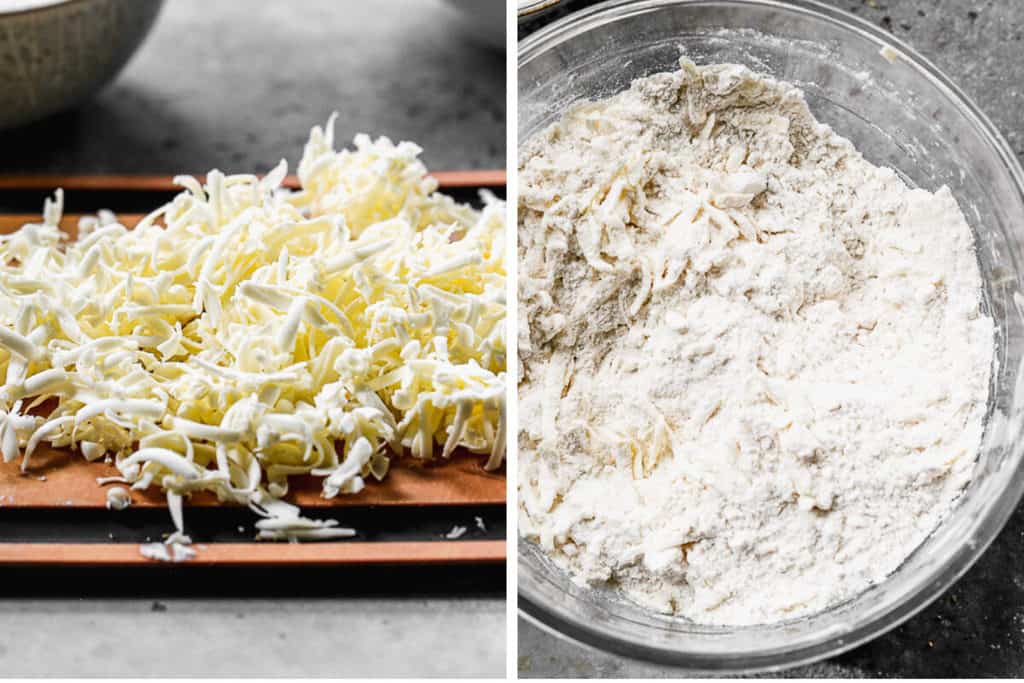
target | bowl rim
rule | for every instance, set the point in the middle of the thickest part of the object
(991, 521)
(528, 8)
(54, 5)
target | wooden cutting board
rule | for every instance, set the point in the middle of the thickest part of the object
(61, 482)
(261, 554)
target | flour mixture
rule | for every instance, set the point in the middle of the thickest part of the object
(754, 366)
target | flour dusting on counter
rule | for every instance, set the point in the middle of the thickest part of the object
(754, 366)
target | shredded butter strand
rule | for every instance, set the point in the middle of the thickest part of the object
(242, 333)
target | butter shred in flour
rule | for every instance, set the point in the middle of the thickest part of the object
(754, 366)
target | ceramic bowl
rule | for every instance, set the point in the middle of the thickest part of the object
(53, 56)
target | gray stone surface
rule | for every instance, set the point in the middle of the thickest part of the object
(977, 627)
(237, 84)
(173, 637)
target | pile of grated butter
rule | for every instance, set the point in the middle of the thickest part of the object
(243, 333)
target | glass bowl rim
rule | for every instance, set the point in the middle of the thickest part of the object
(993, 517)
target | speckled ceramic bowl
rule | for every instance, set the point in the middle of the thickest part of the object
(54, 56)
(528, 9)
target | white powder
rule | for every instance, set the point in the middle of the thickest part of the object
(753, 365)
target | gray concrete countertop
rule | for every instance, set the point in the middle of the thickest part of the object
(236, 85)
(343, 638)
(977, 628)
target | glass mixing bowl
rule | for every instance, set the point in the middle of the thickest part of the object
(900, 112)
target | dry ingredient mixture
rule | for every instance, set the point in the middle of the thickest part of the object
(754, 366)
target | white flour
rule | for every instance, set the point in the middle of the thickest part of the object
(753, 366)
